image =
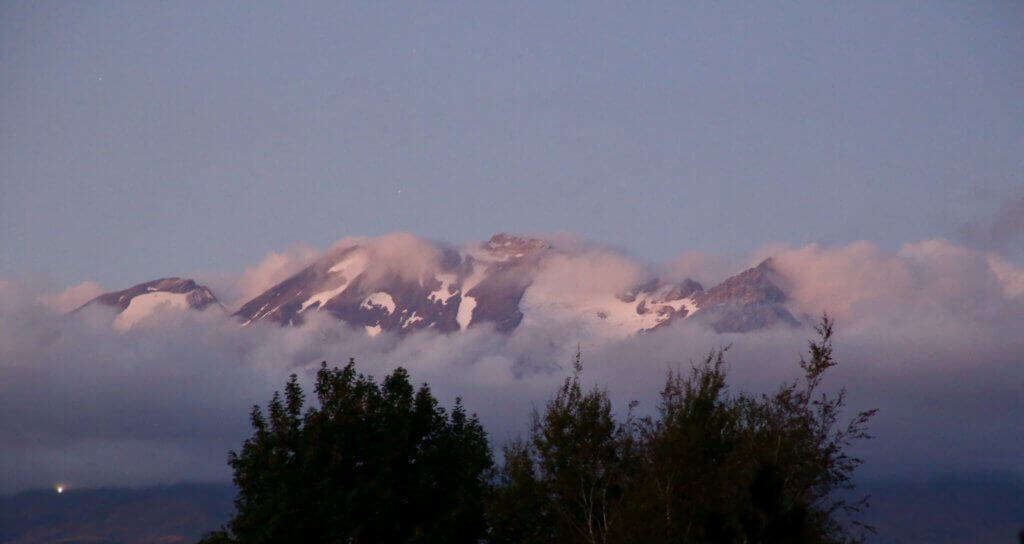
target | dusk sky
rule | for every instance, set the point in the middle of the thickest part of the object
(874, 149)
(141, 140)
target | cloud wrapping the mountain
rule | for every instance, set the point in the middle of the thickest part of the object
(861, 281)
(701, 266)
(930, 334)
(72, 297)
(402, 253)
(273, 269)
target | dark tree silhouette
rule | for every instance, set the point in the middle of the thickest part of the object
(371, 463)
(710, 467)
(384, 463)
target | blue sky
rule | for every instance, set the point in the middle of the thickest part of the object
(140, 140)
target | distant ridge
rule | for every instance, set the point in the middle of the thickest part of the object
(140, 301)
(174, 514)
(429, 286)
(486, 285)
(955, 509)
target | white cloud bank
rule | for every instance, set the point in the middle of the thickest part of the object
(930, 334)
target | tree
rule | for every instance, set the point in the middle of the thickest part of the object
(578, 455)
(384, 463)
(683, 481)
(571, 473)
(709, 467)
(520, 510)
(740, 468)
(371, 463)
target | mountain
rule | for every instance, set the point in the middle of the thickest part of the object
(450, 290)
(142, 300)
(747, 301)
(402, 284)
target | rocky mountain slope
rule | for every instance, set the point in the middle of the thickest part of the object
(412, 285)
(143, 300)
(486, 285)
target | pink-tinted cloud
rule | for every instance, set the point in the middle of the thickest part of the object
(930, 334)
(72, 297)
(273, 269)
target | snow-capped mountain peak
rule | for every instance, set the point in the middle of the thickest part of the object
(455, 289)
(145, 299)
(400, 284)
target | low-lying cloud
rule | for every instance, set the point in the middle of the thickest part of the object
(72, 297)
(273, 269)
(930, 334)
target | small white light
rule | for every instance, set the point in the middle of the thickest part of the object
(60, 489)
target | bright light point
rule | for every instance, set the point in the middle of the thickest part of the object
(60, 489)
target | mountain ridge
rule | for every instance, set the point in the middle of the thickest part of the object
(418, 285)
(142, 300)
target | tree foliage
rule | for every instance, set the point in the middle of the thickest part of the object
(370, 463)
(709, 467)
(578, 452)
(384, 463)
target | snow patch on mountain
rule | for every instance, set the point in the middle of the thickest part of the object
(322, 297)
(608, 315)
(351, 265)
(443, 293)
(403, 284)
(413, 319)
(379, 299)
(259, 313)
(141, 301)
(690, 305)
(465, 315)
(143, 306)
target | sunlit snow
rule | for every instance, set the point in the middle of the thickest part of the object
(442, 294)
(323, 296)
(351, 266)
(606, 312)
(465, 314)
(690, 306)
(414, 318)
(142, 306)
(379, 299)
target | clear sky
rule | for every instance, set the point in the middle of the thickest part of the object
(140, 139)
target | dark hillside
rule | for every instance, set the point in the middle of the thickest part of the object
(166, 515)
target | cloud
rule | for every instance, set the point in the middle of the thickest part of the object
(273, 269)
(402, 253)
(930, 334)
(706, 268)
(840, 280)
(1012, 277)
(576, 276)
(862, 282)
(72, 297)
